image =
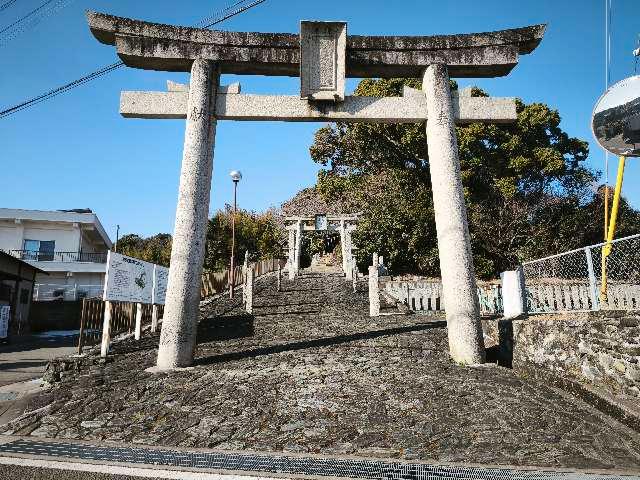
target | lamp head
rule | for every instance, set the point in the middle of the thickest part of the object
(235, 175)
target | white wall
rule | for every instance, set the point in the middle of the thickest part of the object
(10, 235)
(67, 238)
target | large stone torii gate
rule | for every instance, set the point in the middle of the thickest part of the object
(322, 55)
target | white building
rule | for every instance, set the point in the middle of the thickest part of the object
(70, 245)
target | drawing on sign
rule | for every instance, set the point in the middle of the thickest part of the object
(141, 280)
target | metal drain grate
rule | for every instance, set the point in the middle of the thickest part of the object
(329, 467)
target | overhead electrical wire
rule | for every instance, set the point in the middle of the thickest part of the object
(25, 23)
(114, 66)
(27, 16)
(607, 81)
(6, 5)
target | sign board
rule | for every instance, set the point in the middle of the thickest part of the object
(128, 279)
(321, 222)
(5, 311)
(616, 118)
(160, 278)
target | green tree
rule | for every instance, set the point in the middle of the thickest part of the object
(155, 249)
(527, 189)
(257, 233)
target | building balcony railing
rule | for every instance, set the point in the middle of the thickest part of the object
(87, 257)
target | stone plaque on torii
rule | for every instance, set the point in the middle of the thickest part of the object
(323, 55)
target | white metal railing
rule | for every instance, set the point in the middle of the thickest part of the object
(426, 295)
(45, 292)
(36, 256)
(605, 276)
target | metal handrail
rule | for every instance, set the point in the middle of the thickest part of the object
(37, 256)
(529, 262)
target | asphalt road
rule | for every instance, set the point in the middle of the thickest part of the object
(26, 356)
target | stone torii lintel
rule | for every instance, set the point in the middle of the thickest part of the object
(231, 105)
(155, 46)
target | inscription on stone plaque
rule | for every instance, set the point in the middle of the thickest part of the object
(322, 60)
(321, 222)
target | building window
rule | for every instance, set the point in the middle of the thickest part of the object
(40, 250)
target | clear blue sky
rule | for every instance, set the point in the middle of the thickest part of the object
(76, 151)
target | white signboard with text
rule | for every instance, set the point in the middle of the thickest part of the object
(5, 311)
(160, 278)
(128, 279)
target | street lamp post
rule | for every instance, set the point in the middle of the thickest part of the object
(236, 176)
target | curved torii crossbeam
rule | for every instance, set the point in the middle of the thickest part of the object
(155, 46)
(322, 55)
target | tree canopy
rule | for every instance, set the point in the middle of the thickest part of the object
(258, 233)
(155, 249)
(528, 191)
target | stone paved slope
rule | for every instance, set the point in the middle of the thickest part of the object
(311, 372)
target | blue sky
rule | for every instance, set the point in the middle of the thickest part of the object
(76, 151)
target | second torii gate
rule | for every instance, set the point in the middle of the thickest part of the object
(296, 226)
(322, 55)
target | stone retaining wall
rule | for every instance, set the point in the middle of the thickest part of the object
(595, 354)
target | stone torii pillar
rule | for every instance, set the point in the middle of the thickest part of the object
(466, 344)
(298, 252)
(345, 264)
(291, 259)
(178, 334)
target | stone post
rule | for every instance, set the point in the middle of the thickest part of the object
(279, 278)
(292, 253)
(513, 294)
(248, 291)
(374, 294)
(106, 330)
(138, 331)
(245, 265)
(179, 327)
(354, 277)
(348, 253)
(345, 263)
(298, 247)
(466, 344)
(154, 318)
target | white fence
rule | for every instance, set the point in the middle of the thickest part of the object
(46, 292)
(426, 295)
(605, 276)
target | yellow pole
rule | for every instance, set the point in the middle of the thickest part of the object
(606, 249)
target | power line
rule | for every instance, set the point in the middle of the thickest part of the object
(114, 66)
(23, 25)
(6, 5)
(31, 13)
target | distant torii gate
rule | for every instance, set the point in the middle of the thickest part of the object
(296, 226)
(322, 56)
